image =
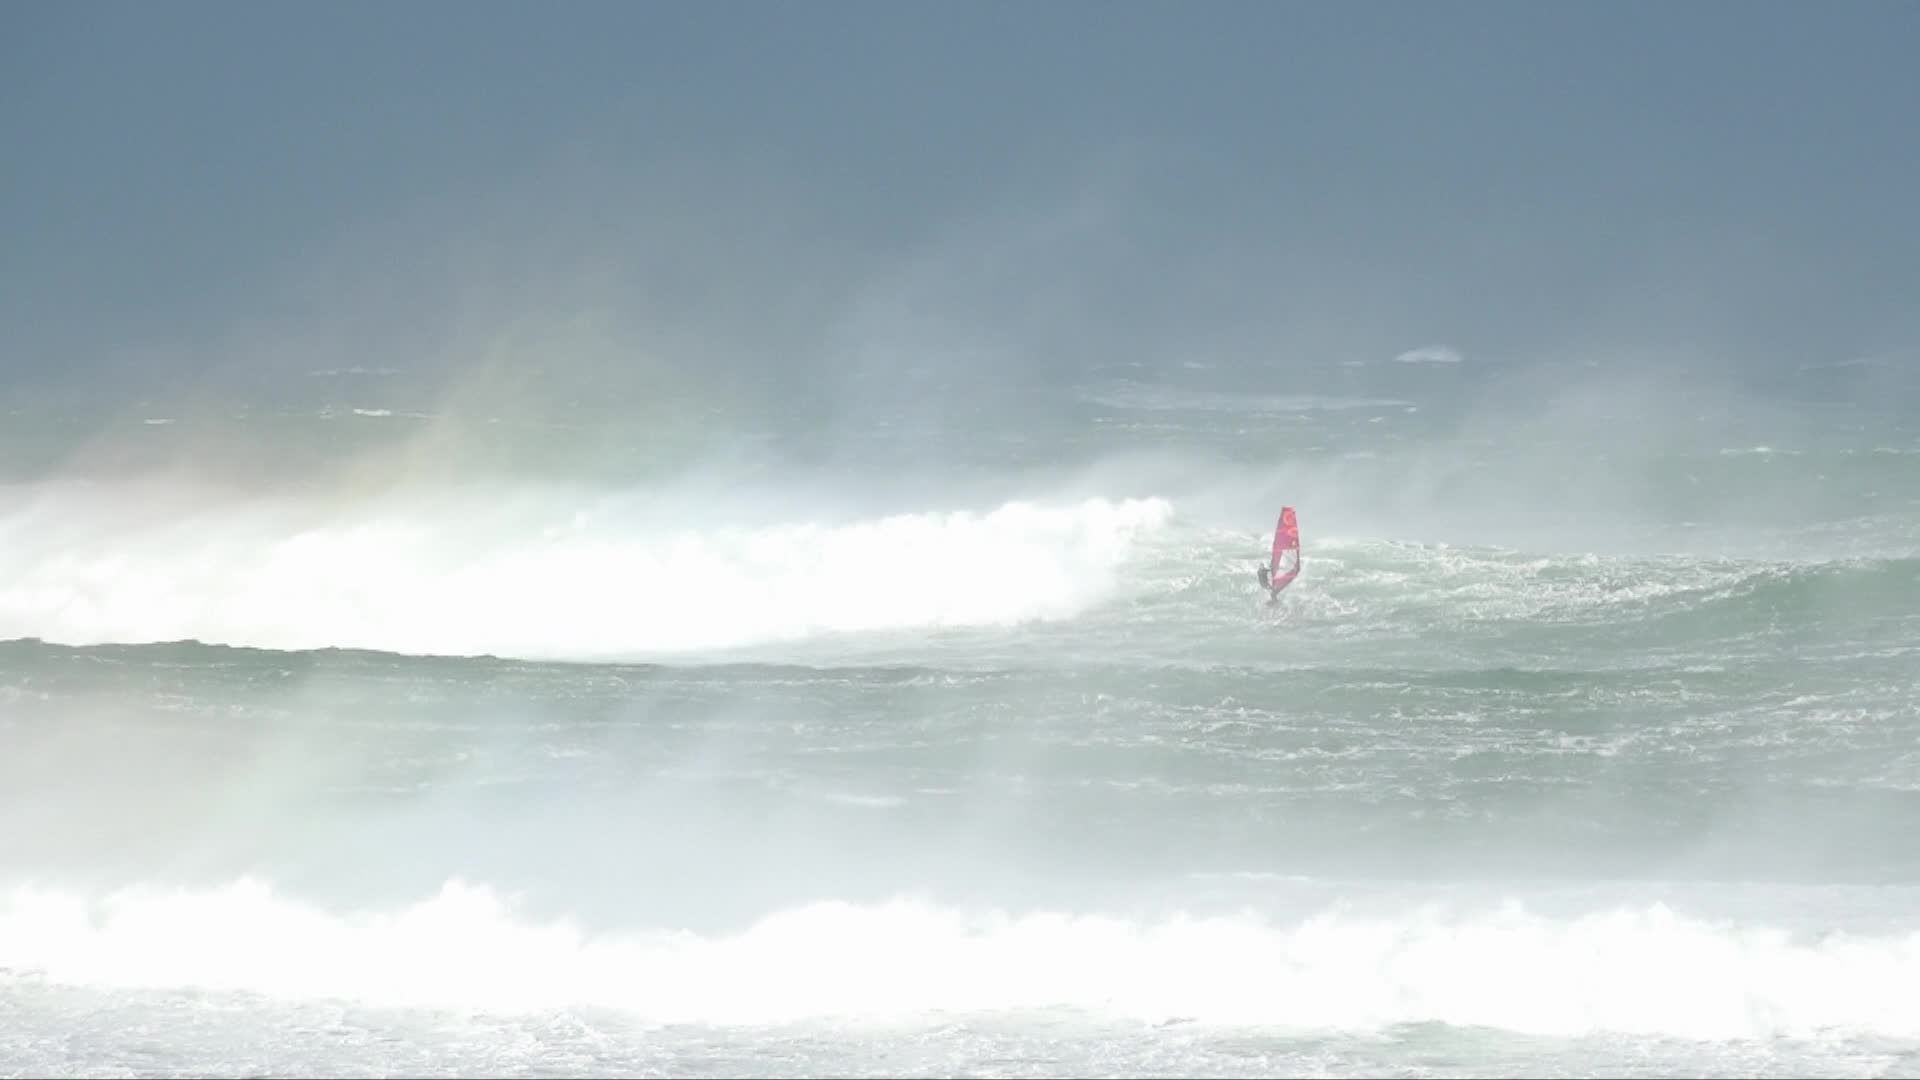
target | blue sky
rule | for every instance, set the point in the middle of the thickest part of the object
(186, 185)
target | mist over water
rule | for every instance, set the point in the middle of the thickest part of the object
(1588, 752)
(604, 543)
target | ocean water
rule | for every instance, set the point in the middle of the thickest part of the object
(1587, 743)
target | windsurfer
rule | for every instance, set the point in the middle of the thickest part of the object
(1286, 540)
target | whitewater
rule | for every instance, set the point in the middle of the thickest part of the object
(1588, 761)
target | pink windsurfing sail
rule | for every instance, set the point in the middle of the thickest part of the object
(1286, 538)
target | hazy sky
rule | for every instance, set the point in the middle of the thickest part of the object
(193, 187)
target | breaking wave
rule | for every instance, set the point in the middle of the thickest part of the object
(546, 579)
(1645, 969)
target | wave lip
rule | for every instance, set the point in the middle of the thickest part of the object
(1638, 970)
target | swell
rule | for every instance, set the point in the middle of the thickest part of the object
(1678, 597)
(1793, 598)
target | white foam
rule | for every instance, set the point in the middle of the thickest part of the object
(1430, 354)
(355, 369)
(1127, 394)
(540, 578)
(1644, 970)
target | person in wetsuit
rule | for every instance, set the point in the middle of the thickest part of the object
(1272, 584)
